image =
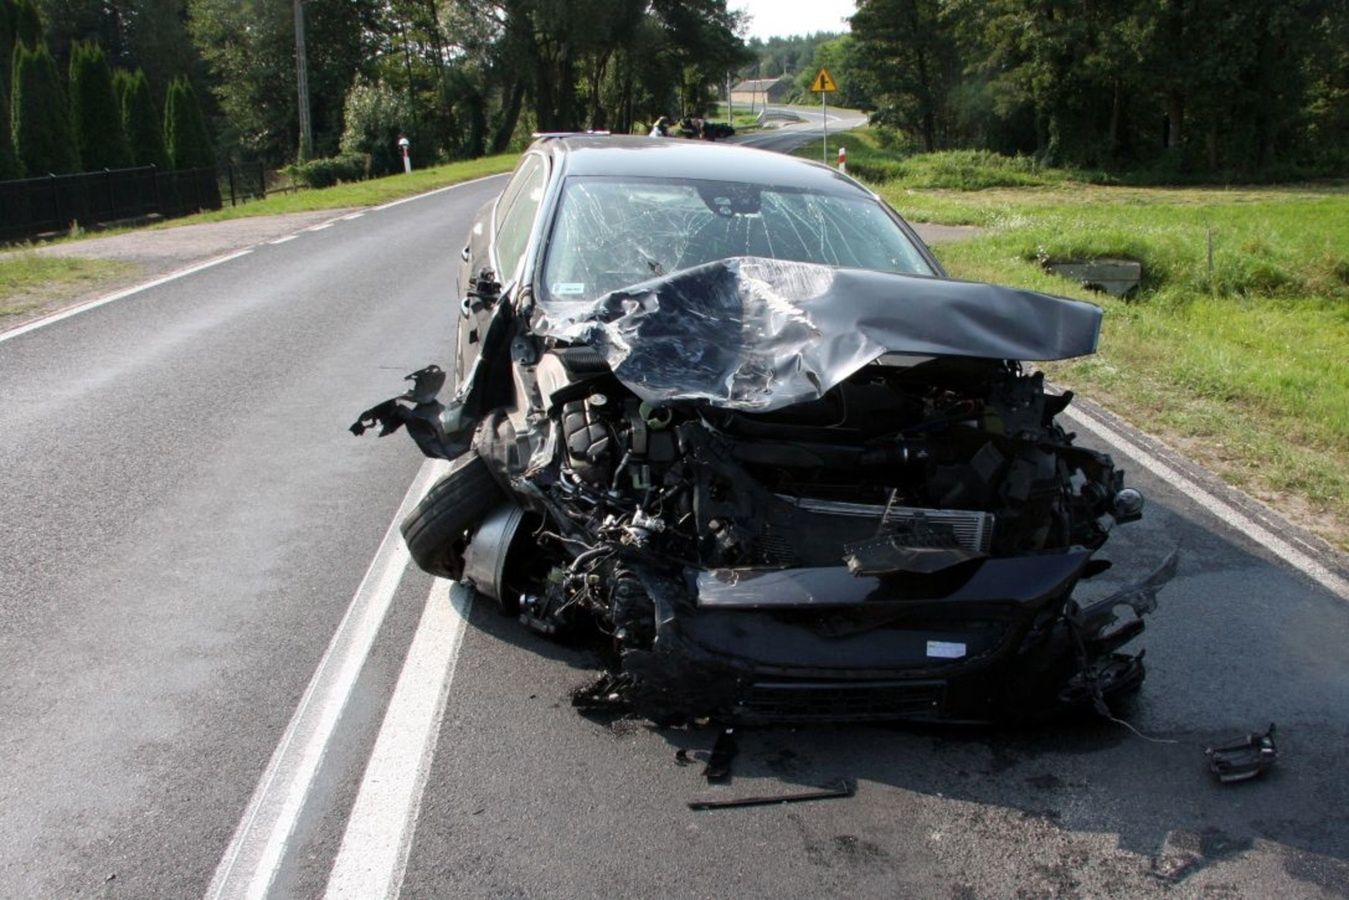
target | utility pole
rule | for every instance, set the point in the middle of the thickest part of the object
(302, 85)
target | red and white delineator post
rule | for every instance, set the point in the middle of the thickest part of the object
(843, 159)
(405, 146)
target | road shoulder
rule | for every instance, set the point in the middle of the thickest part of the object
(148, 254)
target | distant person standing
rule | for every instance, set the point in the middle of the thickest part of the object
(661, 128)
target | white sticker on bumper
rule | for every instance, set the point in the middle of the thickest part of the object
(945, 650)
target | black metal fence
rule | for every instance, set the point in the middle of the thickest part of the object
(31, 207)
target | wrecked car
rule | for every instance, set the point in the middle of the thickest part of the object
(723, 409)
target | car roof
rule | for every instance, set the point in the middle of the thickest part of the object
(633, 155)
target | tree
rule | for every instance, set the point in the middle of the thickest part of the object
(376, 114)
(907, 57)
(95, 114)
(38, 119)
(249, 49)
(140, 120)
(9, 162)
(27, 24)
(185, 136)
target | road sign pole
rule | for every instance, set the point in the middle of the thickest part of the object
(824, 107)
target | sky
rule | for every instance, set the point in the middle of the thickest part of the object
(779, 18)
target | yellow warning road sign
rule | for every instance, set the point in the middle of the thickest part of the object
(823, 82)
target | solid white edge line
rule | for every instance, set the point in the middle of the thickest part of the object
(372, 859)
(349, 216)
(432, 193)
(85, 307)
(190, 270)
(321, 226)
(282, 240)
(258, 846)
(1223, 511)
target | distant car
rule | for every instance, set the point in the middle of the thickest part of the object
(722, 409)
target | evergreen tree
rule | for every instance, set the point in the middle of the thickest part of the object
(140, 119)
(95, 115)
(9, 162)
(185, 136)
(39, 122)
(27, 24)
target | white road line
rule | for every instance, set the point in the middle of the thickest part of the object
(258, 847)
(282, 240)
(350, 216)
(320, 227)
(84, 307)
(373, 857)
(1225, 512)
(190, 270)
(448, 187)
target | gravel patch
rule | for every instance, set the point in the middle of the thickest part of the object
(152, 253)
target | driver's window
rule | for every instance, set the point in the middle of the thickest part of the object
(516, 215)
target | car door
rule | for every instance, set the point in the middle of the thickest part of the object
(497, 241)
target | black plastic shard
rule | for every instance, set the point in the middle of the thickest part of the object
(844, 789)
(718, 768)
(1245, 759)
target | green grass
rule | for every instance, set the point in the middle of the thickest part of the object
(360, 193)
(1242, 365)
(743, 120)
(29, 280)
(879, 156)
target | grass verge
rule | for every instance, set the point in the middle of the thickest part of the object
(29, 281)
(360, 193)
(1233, 349)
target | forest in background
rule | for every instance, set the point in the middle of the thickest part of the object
(1239, 88)
(1178, 88)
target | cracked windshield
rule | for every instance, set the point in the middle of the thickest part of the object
(614, 232)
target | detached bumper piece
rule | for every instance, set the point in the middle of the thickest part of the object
(1245, 759)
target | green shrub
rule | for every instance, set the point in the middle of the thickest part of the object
(185, 136)
(95, 116)
(328, 171)
(375, 114)
(140, 119)
(41, 127)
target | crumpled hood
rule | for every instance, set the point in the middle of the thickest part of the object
(760, 334)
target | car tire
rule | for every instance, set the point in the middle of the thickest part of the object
(435, 531)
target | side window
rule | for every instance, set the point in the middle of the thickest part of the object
(515, 215)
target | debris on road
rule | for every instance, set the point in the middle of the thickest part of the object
(1244, 759)
(718, 768)
(845, 788)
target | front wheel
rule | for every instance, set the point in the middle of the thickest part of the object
(435, 531)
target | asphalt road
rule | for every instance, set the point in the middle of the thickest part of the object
(814, 122)
(217, 671)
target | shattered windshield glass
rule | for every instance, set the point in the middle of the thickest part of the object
(613, 232)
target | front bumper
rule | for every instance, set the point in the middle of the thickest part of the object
(1000, 640)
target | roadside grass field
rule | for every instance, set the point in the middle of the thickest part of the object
(1243, 363)
(29, 280)
(360, 193)
(742, 119)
